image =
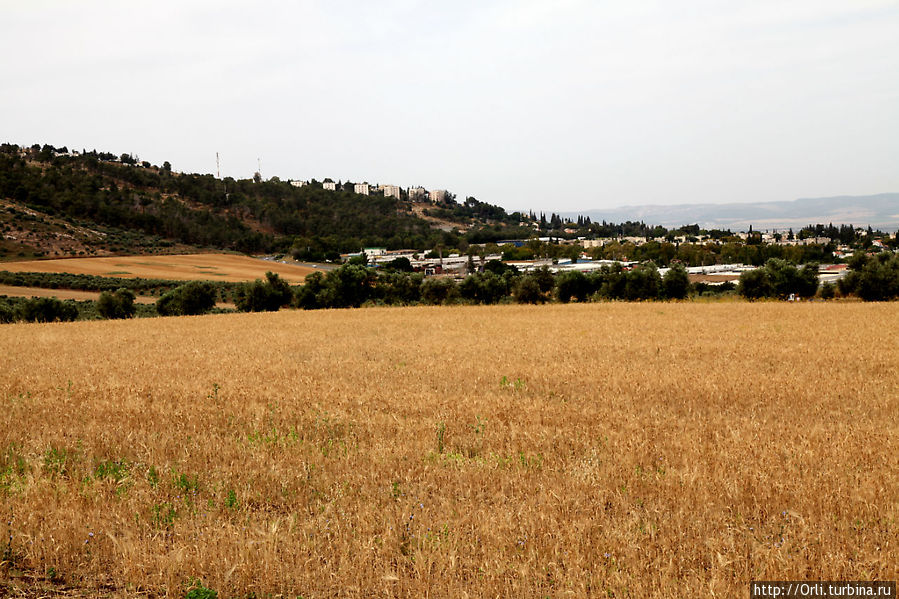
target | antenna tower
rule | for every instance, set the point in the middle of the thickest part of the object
(218, 166)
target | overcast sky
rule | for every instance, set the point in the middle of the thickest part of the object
(547, 105)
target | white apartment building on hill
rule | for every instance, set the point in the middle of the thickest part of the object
(391, 191)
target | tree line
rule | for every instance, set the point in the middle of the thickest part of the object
(352, 285)
(870, 277)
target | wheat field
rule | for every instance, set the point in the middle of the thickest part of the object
(597, 450)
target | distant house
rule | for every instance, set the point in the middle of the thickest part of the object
(417, 193)
(298, 183)
(361, 188)
(437, 195)
(329, 185)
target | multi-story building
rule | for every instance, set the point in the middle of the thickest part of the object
(297, 183)
(437, 195)
(417, 193)
(329, 185)
(390, 191)
(361, 188)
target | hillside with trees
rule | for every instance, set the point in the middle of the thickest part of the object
(56, 202)
(121, 204)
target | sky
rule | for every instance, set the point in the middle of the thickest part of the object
(553, 105)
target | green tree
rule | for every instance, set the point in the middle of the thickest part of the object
(401, 264)
(878, 279)
(544, 278)
(196, 297)
(307, 295)
(116, 304)
(572, 284)
(498, 267)
(486, 287)
(349, 286)
(527, 291)
(438, 290)
(46, 309)
(676, 282)
(788, 280)
(268, 295)
(643, 282)
(609, 282)
(755, 284)
(398, 288)
(7, 313)
(779, 278)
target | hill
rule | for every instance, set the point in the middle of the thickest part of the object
(879, 211)
(56, 202)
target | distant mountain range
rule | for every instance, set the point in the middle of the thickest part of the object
(880, 211)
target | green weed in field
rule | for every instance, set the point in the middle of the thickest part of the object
(163, 515)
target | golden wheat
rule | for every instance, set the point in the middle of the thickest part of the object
(625, 450)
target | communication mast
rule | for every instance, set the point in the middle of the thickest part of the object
(218, 166)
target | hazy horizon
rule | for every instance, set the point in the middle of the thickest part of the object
(565, 106)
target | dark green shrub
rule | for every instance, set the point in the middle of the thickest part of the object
(117, 304)
(47, 309)
(7, 314)
(527, 291)
(643, 282)
(755, 284)
(438, 290)
(268, 295)
(676, 282)
(877, 279)
(779, 278)
(572, 285)
(196, 297)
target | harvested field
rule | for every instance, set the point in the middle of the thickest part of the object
(714, 278)
(596, 450)
(183, 267)
(63, 294)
